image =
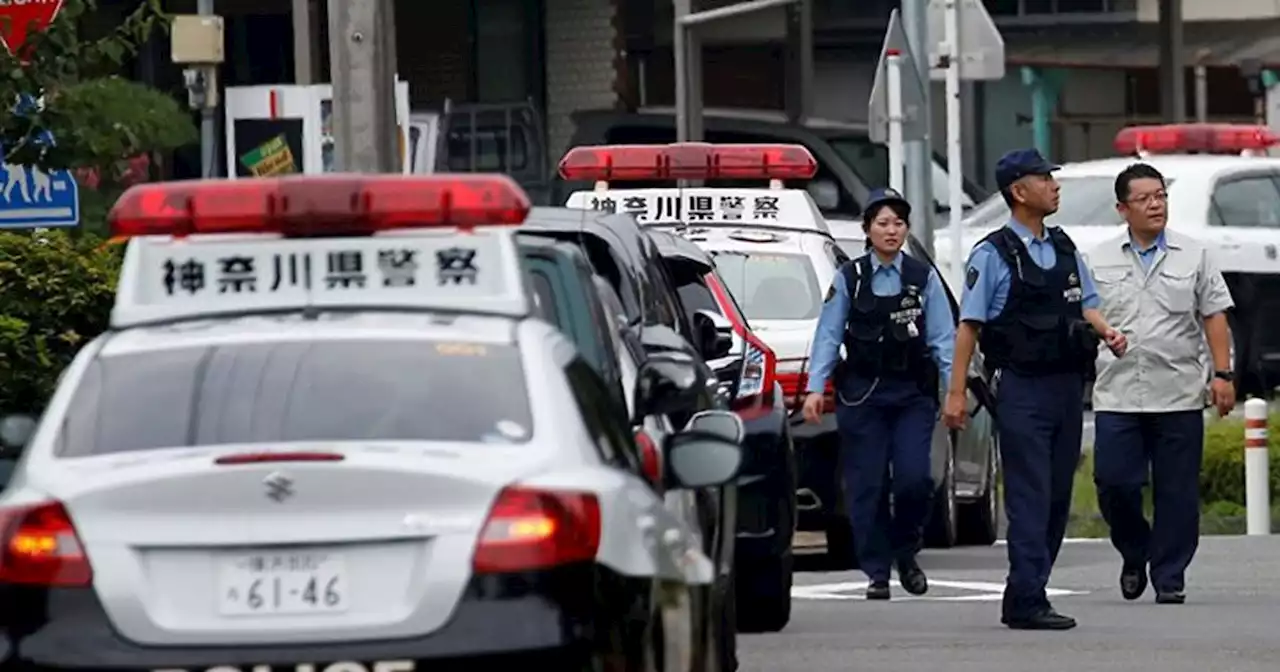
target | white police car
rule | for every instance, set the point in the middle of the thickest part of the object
(1222, 191)
(324, 434)
(777, 257)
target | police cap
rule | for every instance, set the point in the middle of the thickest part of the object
(1019, 163)
(882, 197)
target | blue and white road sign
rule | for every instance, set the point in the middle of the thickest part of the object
(32, 198)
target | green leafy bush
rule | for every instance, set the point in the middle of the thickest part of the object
(56, 292)
(1222, 473)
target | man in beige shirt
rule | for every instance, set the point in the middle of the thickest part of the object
(1164, 292)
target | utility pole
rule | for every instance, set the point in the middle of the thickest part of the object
(208, 124)
(919, 153)
(303, 40)
(1173, 71)
(362, 47)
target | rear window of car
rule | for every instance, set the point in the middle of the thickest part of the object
(771, 286)
(350, 390)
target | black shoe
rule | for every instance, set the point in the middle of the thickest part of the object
(1133, 582)
(1170, 597)
(1045, 619)
(912, 577)
(878, 590)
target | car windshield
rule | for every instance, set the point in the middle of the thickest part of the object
(871, 162)
(277, 392)
(1086, 201)
(771, 286)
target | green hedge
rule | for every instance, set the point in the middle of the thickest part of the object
(1222, 474)
(56, 291)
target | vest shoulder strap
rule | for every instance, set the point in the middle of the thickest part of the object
(1061, 241)
(1006, 243)
(915, 272)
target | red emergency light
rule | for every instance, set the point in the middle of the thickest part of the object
(315, 206)
(1194, 139)
(688, 161)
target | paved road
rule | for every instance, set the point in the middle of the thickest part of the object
(1231, 622)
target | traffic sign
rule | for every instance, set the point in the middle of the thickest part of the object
(913, 91)
(33, 198)
(24, 17)
(981, 45)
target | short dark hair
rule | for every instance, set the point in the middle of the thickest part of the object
(897, 208)
(1007, 195)
(1137, 171)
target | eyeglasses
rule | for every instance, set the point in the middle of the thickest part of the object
(1159, 196)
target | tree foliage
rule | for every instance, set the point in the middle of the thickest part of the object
(95, 118)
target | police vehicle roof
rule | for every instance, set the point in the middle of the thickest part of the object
(319, 244)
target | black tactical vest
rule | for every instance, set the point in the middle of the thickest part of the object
(885, 335)
(1041, 329)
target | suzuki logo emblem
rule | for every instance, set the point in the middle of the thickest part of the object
(279, 486)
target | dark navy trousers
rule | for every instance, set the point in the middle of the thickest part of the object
(886, 435)
(1169, 446)
(1039, 422)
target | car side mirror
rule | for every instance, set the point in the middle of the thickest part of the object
(825, 194)
(15, 432)
(657, 338)
(667, 383)
(724, 424)
(715, 334)
(701, 460)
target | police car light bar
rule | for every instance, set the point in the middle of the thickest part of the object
(310, 206)
(1194, 138)
(688, 161)
(447, 244)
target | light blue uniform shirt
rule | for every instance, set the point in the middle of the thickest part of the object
(1148, 255)
(886, 280)
(986, 283)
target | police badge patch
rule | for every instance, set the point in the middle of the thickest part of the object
(971, 278)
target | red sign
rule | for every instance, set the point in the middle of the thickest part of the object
(19, 17)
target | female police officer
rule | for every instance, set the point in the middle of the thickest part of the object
(891, 314)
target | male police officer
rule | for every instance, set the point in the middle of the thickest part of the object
(1164, 290)
(1030, 298)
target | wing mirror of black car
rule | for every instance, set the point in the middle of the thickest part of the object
(668, 383)
(724, 424)
(15, 432)
(661, 338)
(701, 460)
(715, 334)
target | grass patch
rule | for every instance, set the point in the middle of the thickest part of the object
(1217, 518)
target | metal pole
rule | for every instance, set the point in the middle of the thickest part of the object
(1173, 70)
(1257, 485)
(893, 76)
(362, 48)
(955, 169)
(208, 123)
(678, 47)
(1202, 94)
(919, 153)
(302, 42)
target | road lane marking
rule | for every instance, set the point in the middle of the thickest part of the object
(981, 591)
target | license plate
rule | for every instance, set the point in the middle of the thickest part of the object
(272, 583)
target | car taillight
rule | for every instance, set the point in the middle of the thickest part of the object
(41, 547)
(794, 378)
(532, 529)
(650, 457)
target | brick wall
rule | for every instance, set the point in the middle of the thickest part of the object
(583, 62)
